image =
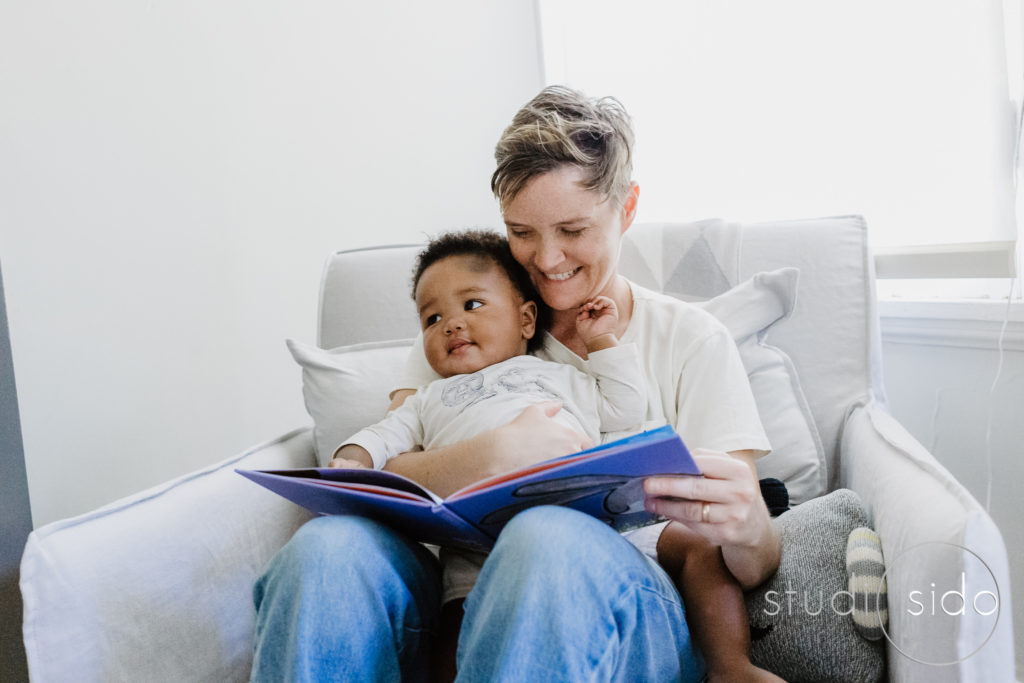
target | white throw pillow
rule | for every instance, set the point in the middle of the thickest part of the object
(346, 388)
(749, 310)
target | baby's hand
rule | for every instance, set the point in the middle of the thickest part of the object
(596, 323)
(351, 457)
(345, 464)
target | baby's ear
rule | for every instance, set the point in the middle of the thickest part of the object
(529, 315)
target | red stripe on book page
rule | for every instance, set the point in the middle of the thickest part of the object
(379, 490)
(502, 478)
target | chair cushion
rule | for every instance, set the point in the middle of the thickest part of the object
(346, 388)
(832, 336)
(158, 586)
(749, 311)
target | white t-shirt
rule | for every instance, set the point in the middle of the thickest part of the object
(695, 381)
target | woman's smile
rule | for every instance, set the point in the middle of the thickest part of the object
(561, 277)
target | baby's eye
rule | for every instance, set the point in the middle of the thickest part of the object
(473, 303)
(431, 319)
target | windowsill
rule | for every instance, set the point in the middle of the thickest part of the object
(964, 323)
(951, 309)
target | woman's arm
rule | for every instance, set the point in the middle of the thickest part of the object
(736, 518)
(531, 437)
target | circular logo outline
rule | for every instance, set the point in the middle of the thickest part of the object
(884, 582)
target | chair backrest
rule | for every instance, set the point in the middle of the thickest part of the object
(831, 337)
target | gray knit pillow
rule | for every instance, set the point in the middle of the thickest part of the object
(800, 622)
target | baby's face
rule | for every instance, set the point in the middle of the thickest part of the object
(471, 315)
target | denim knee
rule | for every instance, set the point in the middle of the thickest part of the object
(345, 542)
(552, 537)
(346, 598)
(352, 555)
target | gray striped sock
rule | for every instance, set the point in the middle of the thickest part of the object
(865, 570)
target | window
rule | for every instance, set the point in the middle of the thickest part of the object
(752, 110)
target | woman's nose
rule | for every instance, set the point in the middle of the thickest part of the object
(549, 255)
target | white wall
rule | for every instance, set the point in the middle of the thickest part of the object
(939, 373)
(172, 176)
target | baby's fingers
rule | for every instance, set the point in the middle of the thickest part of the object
(346, 464)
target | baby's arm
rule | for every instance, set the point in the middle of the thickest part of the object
(617, 382)
(352, 456)
(621, 395)
(715, 610)
(401, 430)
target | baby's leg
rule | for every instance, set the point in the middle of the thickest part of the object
(447, 642)
(715, 611)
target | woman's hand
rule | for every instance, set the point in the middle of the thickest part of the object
(724, 506)
(532, 437)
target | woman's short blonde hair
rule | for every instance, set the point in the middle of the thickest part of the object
(563, 126)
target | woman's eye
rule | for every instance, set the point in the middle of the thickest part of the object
(473, 303)
(431, 319)
(573, 232)
(519, 234)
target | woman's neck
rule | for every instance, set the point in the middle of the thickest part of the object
(563, 323)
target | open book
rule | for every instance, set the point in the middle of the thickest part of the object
(604, 481)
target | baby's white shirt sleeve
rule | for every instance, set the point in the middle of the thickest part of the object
(621, 388)
(400, 431)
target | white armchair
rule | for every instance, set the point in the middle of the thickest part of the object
(157, 586)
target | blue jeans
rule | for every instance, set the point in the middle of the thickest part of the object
(561, 597)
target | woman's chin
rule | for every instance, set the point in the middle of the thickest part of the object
(563, 295)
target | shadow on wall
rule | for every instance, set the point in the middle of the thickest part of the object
(15, 513)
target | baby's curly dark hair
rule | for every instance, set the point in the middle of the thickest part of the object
(488, 245)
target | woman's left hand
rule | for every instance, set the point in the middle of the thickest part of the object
(725, 507)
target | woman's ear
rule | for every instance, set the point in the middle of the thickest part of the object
(629, 206)
(529, 313)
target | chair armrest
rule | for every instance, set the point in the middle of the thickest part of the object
(913, 500)
(158, 586)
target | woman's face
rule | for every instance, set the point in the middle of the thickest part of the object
(567, 237)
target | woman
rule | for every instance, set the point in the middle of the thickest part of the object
(561, 596)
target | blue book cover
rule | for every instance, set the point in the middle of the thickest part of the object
(605, 482)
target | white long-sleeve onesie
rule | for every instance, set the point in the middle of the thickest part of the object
(611, 398)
